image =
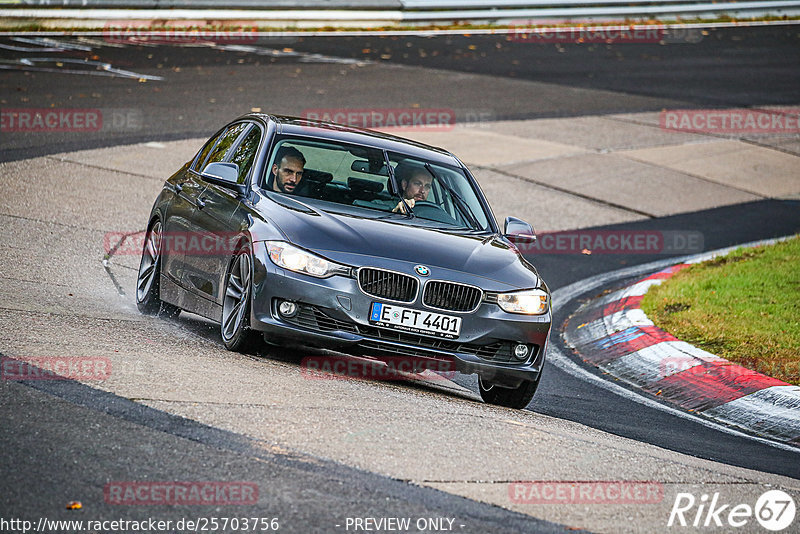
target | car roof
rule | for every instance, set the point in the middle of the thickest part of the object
(287, 125)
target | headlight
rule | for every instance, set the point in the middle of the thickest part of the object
(530, 302)
(300, 261)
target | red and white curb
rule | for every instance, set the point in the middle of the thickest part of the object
(614, 334)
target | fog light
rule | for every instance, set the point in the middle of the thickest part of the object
(287, 309)
(521, 351)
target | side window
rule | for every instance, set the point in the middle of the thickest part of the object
(225, 143)
(201, 158)
(246, 152)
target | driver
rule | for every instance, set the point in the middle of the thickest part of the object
(287, 171)
(415, 184)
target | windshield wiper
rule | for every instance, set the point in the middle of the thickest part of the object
(408, 211)
(459, 201)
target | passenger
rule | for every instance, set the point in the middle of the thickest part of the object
(415, 184)
(287, 171)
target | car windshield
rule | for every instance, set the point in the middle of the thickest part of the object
(368, 181)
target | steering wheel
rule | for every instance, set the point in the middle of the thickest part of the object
(426, 209)
(425, 204)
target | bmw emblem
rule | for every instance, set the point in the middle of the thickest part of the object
(422, 270)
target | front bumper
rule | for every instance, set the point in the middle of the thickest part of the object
(334, 314)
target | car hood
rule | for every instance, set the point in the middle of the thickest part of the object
(361, 241)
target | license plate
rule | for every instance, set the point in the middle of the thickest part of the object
(415, 321)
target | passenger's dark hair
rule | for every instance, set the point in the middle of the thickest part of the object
(289, 152)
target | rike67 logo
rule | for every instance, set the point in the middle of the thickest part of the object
(774, 511)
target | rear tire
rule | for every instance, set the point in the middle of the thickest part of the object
(235, 327)
(148, 298)
(518, 397)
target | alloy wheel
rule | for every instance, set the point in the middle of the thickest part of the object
(237, 292)
(147, 267)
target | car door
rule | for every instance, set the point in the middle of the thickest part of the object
(208, 256)
(178, 216)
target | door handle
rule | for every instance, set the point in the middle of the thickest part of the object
(201, 203)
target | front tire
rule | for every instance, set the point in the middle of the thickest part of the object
(235, 327)
(517, 398)
(148, 298)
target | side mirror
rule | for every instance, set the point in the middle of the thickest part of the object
(224, 174)
(518, 231)
(228, 172)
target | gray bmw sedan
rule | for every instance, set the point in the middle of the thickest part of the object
(303, 233)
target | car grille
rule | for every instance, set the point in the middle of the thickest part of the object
(410, 339)
(377, 346)
(315, 319)
(453, 297)
(499, 352)
(387, 284)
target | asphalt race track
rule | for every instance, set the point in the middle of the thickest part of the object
(178, 407)
(481, 78)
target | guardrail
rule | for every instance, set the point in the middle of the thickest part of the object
(389, 12)
(606, 8)
(401, 5)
